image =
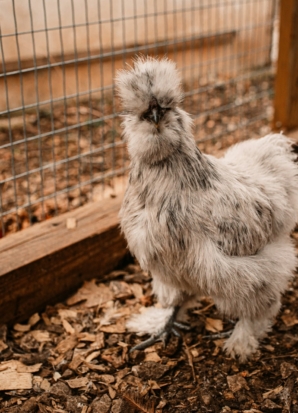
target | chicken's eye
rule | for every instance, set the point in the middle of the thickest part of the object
(164, 110)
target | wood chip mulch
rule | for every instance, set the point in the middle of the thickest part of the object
(74, 358)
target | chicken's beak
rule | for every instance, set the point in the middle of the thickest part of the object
(154, 113)
(156, 117)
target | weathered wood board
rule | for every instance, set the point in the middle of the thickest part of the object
(48, 261)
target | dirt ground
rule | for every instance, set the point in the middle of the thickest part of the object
(74, 358)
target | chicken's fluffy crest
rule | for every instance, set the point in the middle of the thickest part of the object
(149, 77)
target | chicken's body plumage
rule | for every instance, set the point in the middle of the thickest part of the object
(207, 226)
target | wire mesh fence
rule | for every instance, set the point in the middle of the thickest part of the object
(60, 135)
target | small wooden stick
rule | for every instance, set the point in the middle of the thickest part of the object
(190, 361)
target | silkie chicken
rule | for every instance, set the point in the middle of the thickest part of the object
(202, 225)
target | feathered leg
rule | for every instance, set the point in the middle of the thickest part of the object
(244, 339)
(160, 323)
(164, 335)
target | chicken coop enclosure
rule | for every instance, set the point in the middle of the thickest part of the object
(60, 134)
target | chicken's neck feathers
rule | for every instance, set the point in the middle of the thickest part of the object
(187, 169)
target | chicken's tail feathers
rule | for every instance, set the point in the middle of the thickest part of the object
(286, 144)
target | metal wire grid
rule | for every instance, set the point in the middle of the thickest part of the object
(62, 149)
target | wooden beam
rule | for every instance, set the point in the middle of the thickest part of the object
(286, 84)
(45, 263)
(159, 48)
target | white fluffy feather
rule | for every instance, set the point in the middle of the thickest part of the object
(202, 225)
(151, 321)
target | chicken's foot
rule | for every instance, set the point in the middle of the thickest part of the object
(164, 335)
(223, 334)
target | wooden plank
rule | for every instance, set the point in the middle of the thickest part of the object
(160, 48)
(286, 84)
(45, 263)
